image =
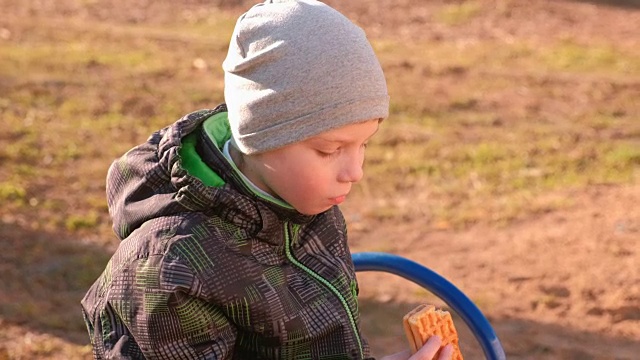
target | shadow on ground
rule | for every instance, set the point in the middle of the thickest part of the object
(521, 339)
(43, 277)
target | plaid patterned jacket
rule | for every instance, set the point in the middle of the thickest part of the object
(208, 272)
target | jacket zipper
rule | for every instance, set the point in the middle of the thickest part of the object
(322, 281)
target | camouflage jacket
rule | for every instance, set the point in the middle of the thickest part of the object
(217, 272)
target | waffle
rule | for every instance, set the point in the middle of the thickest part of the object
(423, 322)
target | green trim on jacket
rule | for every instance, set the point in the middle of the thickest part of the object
(217, 128)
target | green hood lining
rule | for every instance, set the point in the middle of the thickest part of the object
(217, 128)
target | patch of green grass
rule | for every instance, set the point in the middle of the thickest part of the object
(69, 57)
(478, 171)
(621, 161)
(77, 222)
(482, 158)
(25, 146)
(571, 56)
(10, 191)
(457, 14)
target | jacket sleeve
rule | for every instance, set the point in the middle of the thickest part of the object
(154, 310)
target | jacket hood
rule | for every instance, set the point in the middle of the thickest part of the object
(150, 180)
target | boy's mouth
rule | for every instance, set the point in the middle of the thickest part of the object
(338, 199)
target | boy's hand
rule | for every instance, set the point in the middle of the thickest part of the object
(427, 352)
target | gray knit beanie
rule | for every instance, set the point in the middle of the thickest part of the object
(297, 68)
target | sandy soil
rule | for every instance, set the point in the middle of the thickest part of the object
(565, 285)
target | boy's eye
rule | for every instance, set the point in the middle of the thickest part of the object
(327, 152)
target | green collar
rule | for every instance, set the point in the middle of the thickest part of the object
(218, 130)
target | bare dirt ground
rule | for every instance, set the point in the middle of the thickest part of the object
(564, 284)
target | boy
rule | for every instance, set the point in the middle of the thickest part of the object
(232, 243)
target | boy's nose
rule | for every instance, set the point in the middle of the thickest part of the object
(352, 170)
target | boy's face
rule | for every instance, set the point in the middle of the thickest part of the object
(314, 174)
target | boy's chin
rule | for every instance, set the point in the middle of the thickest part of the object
(312, 212)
